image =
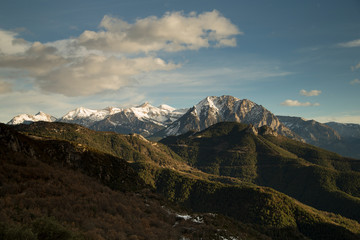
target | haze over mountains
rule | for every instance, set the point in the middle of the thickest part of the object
(162, 121)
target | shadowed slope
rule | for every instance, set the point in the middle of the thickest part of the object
(322, 179)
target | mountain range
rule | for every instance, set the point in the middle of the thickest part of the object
(28, 118)
(65, 180)
(162, 121)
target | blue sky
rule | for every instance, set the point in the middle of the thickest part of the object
(297, 58)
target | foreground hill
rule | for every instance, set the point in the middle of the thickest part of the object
(267, 211)
(55, 189)
(314, 176)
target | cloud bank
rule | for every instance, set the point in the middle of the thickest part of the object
(357, 66)
(354, 43)
(296, 103)
(10, 43)
(355, 81)
(114, 56)
(173, 32)
(310, 93)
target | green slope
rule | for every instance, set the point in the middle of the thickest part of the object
(312, 175)
(268, 211)
(46, 194)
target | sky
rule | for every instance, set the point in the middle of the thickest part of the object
(295, 58)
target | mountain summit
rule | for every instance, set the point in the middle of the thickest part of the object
(214, 109)
(86, 116)
(29, 118)
(144, 119)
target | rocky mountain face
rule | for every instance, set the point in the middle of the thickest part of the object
(29, 118)
(213, 109)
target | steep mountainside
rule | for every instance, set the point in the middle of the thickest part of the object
(28, 118)
(337, 137)
(213, 109)
(267, 211)
(314, 176)
(51, 189)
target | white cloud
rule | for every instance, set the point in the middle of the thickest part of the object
(83, 75)
(94, 74)
(10, 44)
(5, 87)
(38, 59)
(296, 103)
(354, 43)
(357, 66)
(173, 32)
(105, 60)
(355, 81)
(310, 93)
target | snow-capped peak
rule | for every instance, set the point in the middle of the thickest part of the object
(28, 118)
(90, 114)
(79, 112)
(148, 112)
(215, 103)
(167, 107)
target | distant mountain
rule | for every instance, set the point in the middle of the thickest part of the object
(86, 116)
(337, 137)
(144, 119)
(214, 109)
(311, 131)
(158, 122)
(28, 118)
(345, 130)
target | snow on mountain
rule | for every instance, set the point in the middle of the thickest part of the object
(86, 116)
(214, 109)
(161, 115)
(29, 118)
(144, 119)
